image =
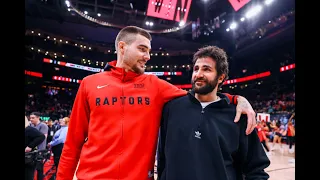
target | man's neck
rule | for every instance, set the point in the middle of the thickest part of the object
(121, 64)
(207, 97)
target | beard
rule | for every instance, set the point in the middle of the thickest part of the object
(137, 69)
(134, 66)
(204, 89)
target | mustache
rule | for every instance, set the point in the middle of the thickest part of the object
(200, 79)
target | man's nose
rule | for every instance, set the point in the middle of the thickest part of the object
(199, 74)
(147, 56)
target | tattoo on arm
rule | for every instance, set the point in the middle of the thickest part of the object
(243, 104)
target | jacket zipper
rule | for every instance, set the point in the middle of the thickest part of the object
(122, 119)
(201, 118)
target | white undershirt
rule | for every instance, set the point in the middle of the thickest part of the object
(204, 104)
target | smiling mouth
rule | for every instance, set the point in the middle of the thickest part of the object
(142, 64)
(200, 82)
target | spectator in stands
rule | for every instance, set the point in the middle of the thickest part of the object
(123, 107)
(33, 138)
(51, 130)
(56, 125)
(43, 128)
(58, 140)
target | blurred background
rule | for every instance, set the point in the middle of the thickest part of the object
(68, 40)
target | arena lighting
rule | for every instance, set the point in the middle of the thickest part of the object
(173, 10)
(149, 23)
(32, 73)
(165, 73)
(67, 3)
(181, 23)
(268, 2)
(71, 65)
(60, 40)
(252, 12)
(104, 23)
(66, 79)
(233, 25)
(91, 69)
(236, 4)
(184, 86)
(46, 52)
(248, 78)
(288, 67)
(81, 46)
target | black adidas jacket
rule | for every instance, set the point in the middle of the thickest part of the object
(203, 144)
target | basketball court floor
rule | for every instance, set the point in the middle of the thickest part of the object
(280, 167)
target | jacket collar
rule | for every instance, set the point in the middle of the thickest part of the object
(224, 101)
(120, 72)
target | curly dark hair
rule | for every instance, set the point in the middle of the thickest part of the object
(218, 55)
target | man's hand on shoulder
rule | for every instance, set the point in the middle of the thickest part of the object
(244, 107)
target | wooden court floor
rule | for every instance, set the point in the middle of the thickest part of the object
(280, 168)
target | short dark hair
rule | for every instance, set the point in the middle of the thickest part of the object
(218, 55)
(37, 114)
(126, 34)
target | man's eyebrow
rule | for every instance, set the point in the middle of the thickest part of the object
(207, 66)
(142, 45)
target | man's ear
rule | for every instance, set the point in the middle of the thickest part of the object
(221, 78)
(121, 47)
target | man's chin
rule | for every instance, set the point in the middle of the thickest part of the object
(199, 87)
(138, 70)
(141, 71)
(202, 90)
(196, 89)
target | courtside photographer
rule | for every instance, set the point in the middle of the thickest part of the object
(33, 138)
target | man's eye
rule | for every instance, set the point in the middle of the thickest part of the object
(143, 49)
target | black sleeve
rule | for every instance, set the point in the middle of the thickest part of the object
(162, 139)
(254, 160)
(36, 137)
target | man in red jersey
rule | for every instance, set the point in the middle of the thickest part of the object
(116, 116)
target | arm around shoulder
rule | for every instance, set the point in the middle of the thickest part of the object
(169, 91)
